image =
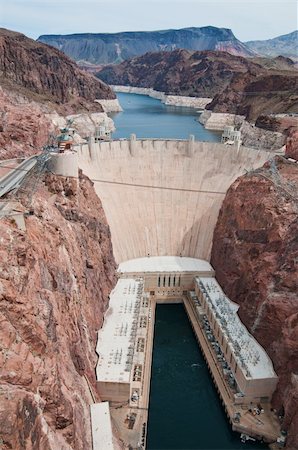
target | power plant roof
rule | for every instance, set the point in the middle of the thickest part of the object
(116, 338)
(248, 352)
(159, 264)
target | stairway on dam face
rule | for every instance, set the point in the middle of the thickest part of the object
(163, 197)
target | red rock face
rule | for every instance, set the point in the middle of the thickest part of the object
(180, 72)
(55, 279)
(45, 71)
(255, 255)
(257, 93)
(24, 128)
(292, 144)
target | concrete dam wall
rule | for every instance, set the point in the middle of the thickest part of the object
(163, 197)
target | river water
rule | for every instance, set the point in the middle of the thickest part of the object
(149, 118)
(184, 411)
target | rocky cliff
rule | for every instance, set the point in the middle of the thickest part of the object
(292, 144)
(255, 94)
(24, 127)
(179, 72)
(106, 48)
(46, 74)
(55, 279)
(36, 80)
(255, 255)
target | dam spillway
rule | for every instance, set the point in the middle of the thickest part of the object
(162, 197)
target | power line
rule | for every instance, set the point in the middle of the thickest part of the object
(157, 187)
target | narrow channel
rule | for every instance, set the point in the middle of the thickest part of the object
(184, 411)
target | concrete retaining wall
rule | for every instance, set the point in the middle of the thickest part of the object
(218, 121)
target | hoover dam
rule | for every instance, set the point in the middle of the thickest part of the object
(161, 197)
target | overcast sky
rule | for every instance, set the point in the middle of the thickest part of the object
(249, 19)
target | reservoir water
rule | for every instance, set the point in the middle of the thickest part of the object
(149, 118)
(184, 411)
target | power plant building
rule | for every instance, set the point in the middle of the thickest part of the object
(244, 361)
(123, 338)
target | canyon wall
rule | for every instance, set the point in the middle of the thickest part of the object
(37, 81)
(163, 197)
(180, 72)
(55, 279)
(46, 74)
(255, 256)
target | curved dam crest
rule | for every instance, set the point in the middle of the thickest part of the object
(161, 197)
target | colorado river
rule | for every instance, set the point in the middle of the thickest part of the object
(149, 118)
(185, 411)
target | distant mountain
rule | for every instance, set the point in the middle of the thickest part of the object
(180, 72)
(286, 45)
(107, 48)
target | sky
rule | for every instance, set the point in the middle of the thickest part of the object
(249, 19)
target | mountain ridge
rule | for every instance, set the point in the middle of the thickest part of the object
(105, 48)
(286, 45)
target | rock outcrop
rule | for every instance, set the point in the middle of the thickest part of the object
(35, 82)
(45, 74)
(180, 72)
(292, 144)
(24, 127)
(255, 255)
(55, 279)
(255, 94)
(113, 48)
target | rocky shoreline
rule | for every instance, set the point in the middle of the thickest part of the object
(174, 100)
(252, 136)
(110, 105)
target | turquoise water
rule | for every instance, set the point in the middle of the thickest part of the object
(185, 411)
(149, 118)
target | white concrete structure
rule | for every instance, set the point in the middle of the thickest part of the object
(114, 338)
(162, 197)
(102, 436)
(160, 264)
(124, 325)
(218, 121)
(249, 363)
(65, 164)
